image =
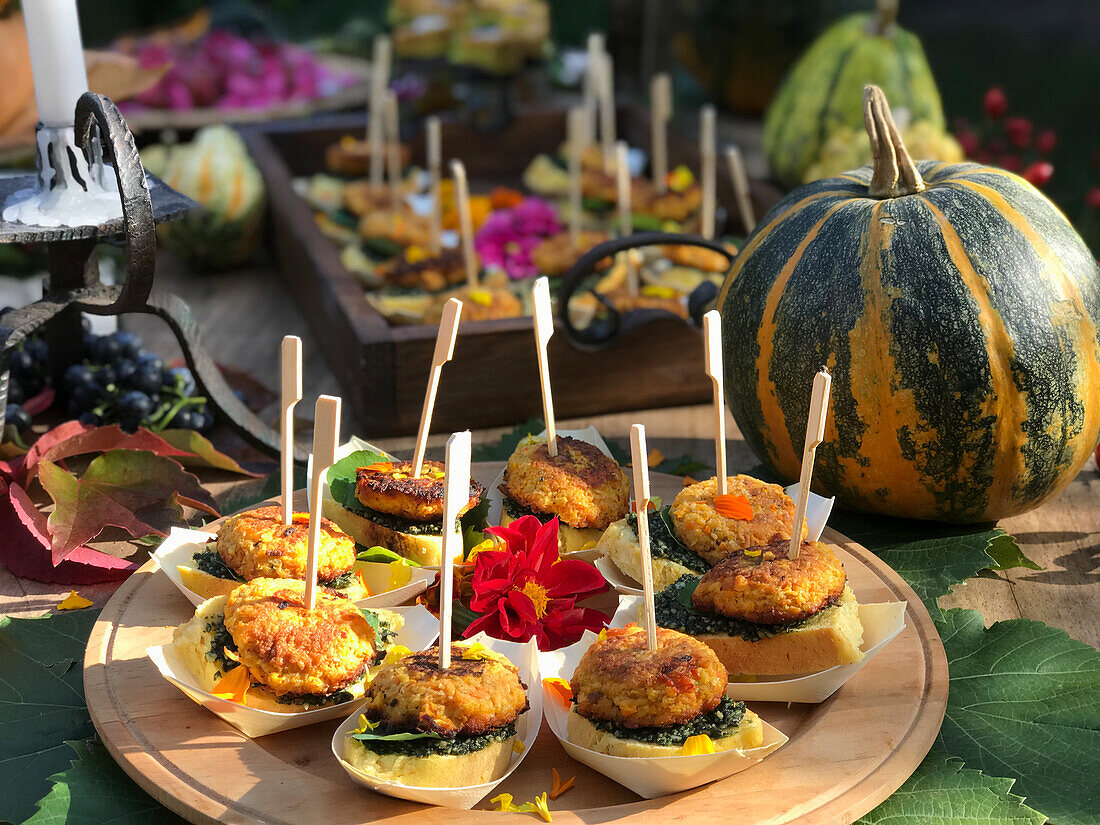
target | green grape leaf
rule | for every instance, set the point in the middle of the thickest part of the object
(41, 703)
(94, 790)
(503, 449)
(1006, 554)
(203, 453)
(932, 557)
(943, 792)
(1024, 703)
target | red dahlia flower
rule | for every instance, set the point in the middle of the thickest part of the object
(527, 590)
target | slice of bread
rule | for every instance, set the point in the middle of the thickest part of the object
(424, 550)
(749, 734)
(830, 638)
(435, 771)
(570, 539)
(620, 544)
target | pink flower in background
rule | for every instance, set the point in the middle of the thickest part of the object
(507, 237)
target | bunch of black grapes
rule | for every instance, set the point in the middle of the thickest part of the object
(115, 382)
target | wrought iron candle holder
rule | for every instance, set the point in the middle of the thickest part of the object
(74, 285)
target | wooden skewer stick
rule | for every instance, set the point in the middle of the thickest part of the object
(544, 328)
(712, 340)
(326, 434)
(379, 82)
(626, 220)
(607, 109)
(577, 143)
(435, 174)
(815, 434)
(290, 362)
(465, 222)
(456, 494)
(639, 459)
(591, 89)
(709, 169)
(660, 106)
(393, 148)
(741, 192)
(444, 349)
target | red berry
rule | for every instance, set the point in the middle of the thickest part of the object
(1039, 173)
(996, 104)
(1092, 197)
(1009, 162)
(1019, 131)
(969, 143)
(1045, 141)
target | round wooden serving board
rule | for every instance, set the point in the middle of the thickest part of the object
(844, 757)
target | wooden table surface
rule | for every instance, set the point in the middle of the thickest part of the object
(244, 315)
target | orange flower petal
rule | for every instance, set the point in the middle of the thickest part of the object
(735, 507)
(362, 581)
(560, 787)
(559, 688)
(234, 685)
(380, 466)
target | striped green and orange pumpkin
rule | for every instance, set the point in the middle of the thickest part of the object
(958, 312)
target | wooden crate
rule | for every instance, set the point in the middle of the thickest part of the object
(492, 379)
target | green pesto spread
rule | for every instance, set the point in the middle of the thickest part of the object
(437, 746)
(675, 611)
(209, 561)
(515, 510)
(717, 724)
(663, 543)
(220, 640)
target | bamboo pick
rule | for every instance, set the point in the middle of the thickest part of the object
(626, 220)
(660, 105)
(591, 91)
(465, 222)
(712, 340)
(606, 88)
(815, 434)
(577, 144)
(435, 173)
(741, 192)
(709, 168)
(639, 459)
(393, 148)
(544, 328)
(290, 363)
(444, 349)
(379, 82)
(326, 434)
(456, 494)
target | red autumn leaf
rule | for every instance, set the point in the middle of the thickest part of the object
(73, 438)
(202, 452)
(135, 490)
(25, 547)
(40, 403)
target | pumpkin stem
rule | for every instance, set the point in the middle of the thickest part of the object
(886, 17)
(895, 174)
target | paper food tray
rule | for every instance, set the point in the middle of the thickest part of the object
(523, 656)
(182, 544)
(648, 777)
(881, 623)
(818, 509)
(496, 498)
(420, 630)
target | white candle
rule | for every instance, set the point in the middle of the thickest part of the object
(57, 59)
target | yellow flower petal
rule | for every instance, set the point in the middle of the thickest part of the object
(234, 685)
(504, 800)
(400, 575)
(542, 807)
(365, 724)
(481, 296)
(395, 654)
(74, 602)
(488, 544)
(518, 746)
(700, 743)
(658, 291)
(476, 651)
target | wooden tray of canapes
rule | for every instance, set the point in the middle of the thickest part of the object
(844, 757)
(492, 377)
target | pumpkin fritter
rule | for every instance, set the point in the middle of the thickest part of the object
(293, 650)
(617, 679)
(471, 697)
(768, 588)
(256, 544)
(714, 536)
(432, 273)
(389, 487)
(580, 485)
